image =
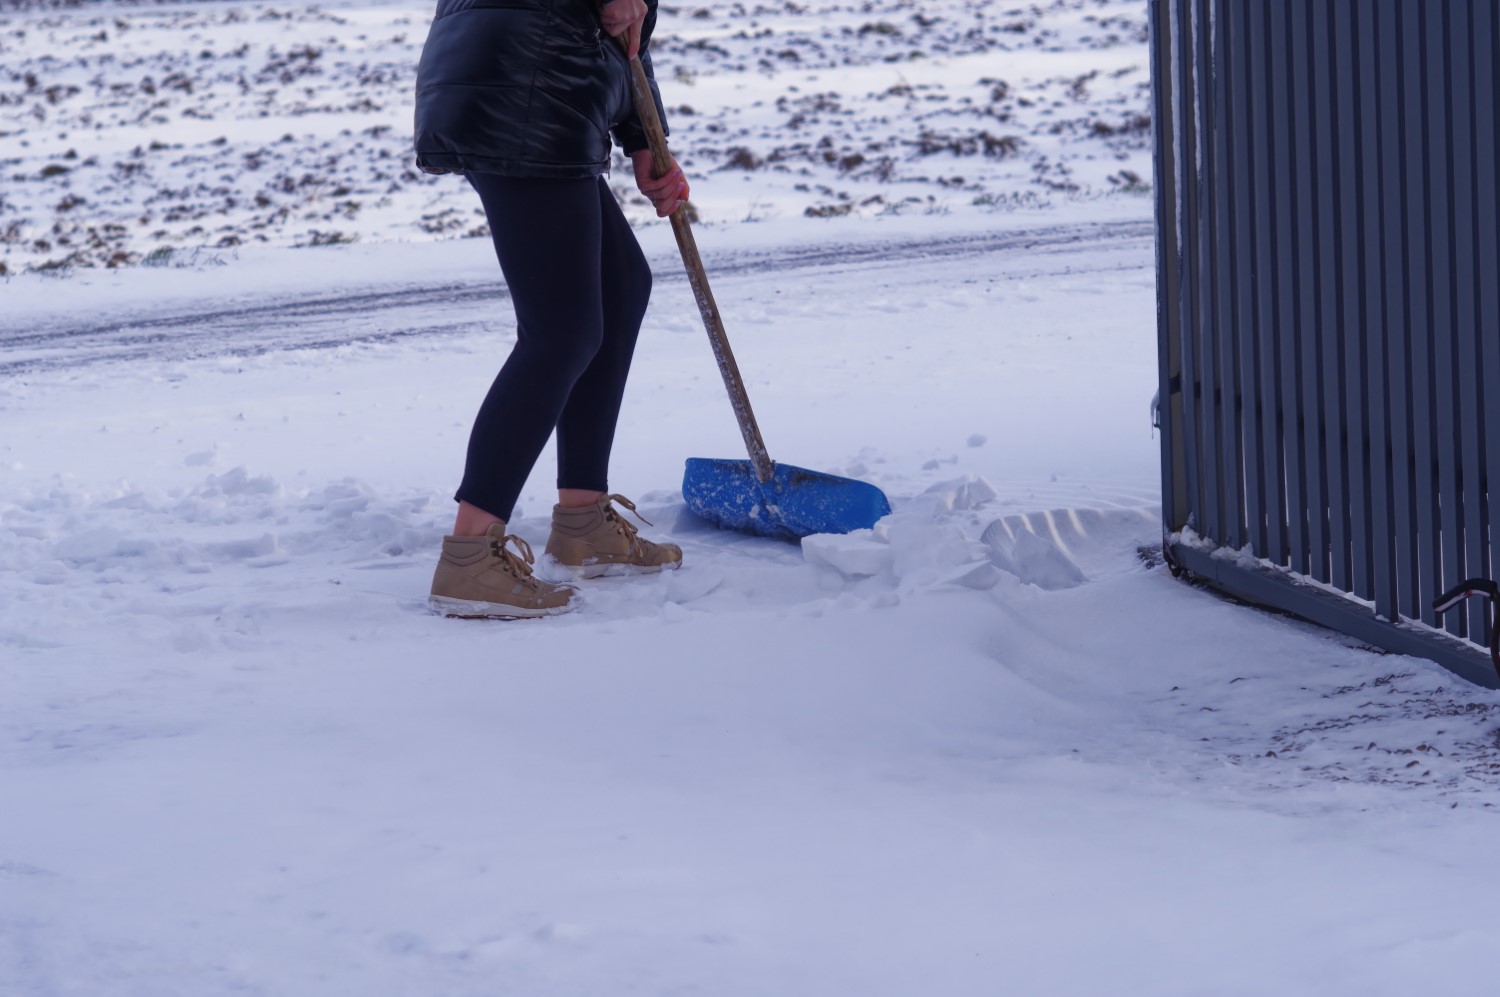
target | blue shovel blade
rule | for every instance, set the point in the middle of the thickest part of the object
(794, 504)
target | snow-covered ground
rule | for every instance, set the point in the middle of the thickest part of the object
(990, 748)
(955, 758)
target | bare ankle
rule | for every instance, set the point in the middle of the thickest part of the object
(577, 498)
(473, 521)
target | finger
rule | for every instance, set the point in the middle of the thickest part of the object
(663, 203)
(657, 186)
(633, 41)
(669, 179)
(663, 189)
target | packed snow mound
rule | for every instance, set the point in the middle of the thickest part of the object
(938, 539)
(1033, 559)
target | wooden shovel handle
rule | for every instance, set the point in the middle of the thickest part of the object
(661, 164)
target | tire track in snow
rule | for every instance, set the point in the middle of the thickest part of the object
(315, 322)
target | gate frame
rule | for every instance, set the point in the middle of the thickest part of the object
(1181, 60)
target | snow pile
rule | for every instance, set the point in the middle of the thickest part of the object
(1033, 559)
(934, 539)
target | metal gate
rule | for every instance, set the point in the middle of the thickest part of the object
(1329, 309)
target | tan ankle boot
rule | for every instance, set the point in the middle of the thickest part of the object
(479, 577)
(596, 540)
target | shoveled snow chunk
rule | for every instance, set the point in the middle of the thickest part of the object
(1035, 560)
(854, 555)
(967, 492)
(928, 551)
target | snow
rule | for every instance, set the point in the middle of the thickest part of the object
(1033, 558)
(990, 746)
(161, 132)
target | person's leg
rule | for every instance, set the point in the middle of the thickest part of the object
(547, 237)
(586, 427)
(589, 535)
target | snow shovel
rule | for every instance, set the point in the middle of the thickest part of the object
(757, 495)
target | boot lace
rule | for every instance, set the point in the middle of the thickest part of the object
(518, 566)
(625, 526)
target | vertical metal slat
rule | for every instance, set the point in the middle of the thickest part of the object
(1226, 176)
(1173, 462)
(1185, 157)
(1310, 550)
(1433, 332)
(1205, 318)
(1285, 328)
(1486, 62)
(1470, 445)
(1354, 46)
(1440, 266)
(1403, 519)
(1273, 478)
(1327, 180)
(1247, 386)
(1376, 142)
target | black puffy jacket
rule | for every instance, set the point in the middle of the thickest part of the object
(527, 88)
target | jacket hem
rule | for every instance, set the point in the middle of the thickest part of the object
(459, 163)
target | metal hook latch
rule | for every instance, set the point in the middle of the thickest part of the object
(1463, 590)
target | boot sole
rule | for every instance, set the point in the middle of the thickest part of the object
(616, 570)
(468, 609)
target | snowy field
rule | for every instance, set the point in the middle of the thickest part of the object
(991, 748)
(148, 132)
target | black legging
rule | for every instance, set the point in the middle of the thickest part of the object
(579, 283)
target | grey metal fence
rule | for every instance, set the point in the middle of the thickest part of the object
(1329, 308)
